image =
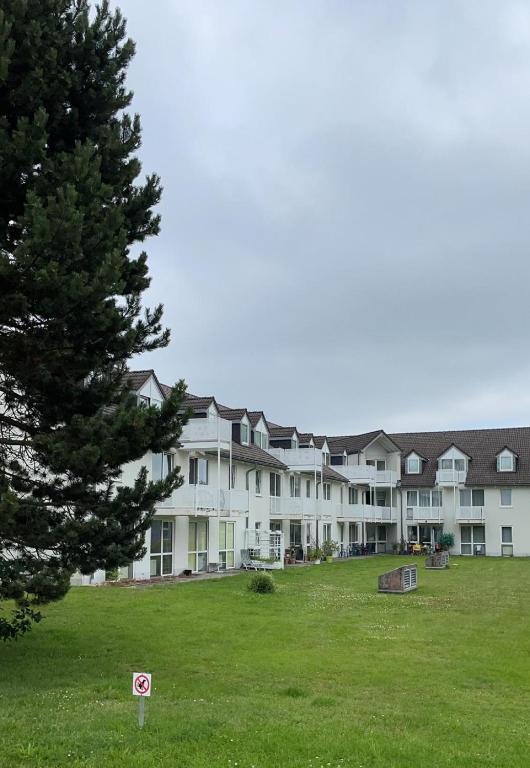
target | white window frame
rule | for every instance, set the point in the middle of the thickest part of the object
(506, 546)
(258, 482)
(353, 495)
(245, 427)
(326, 491)
(295, 486)
(164, 553)
(227, 555)
(504, 457)
(506, 490)
(416, 461)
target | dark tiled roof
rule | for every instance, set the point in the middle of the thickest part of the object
(232, 414)
(353, 443)
(199, 403)
(306, 437)
(277, 432)
(320, 440)
(136, 379)
(255, 416)
(328, 473)
(481, 445)
(251, 454)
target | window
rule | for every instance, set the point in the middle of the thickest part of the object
(260, 439)
(295, 532)
(294, 484)
(506, 541)
(380, 498)
(353, 496)
(325, 458)
(460, 465)
(340, 528)
(163, 464)
(327, 491)
(446, 463)
(275, 484)
(425, 498)
(341, 495)
(436, 498)
(161, 553)
(506, 497)
(308, 489)
(198, 545)
(233, 476)
(144, 400)
(413, 465)
(472, 540)
(226, 545)
(505, 463)
(471, 498)
(198, 471)
(258, 482)
(244, 434)
(379, 464)
(326, 532)
(412, 498)
(352, 533)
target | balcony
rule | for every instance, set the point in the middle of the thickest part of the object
(470, 515)
(365, 512)
(299, 459)
(365, 474)
(424, 515)
(300, 507)
(205, 500)
(203, 434)
(450, 477)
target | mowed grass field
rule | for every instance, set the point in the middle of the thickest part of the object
(326, 672)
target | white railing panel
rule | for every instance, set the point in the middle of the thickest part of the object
(424, 513)
(450, 476)
(470, 513)
(206, 431)
(298, 457)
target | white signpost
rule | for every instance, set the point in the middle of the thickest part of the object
(141, 686)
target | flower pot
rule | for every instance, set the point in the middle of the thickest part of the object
(317, 561)
(329, 558)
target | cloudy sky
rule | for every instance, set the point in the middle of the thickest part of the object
(346, 217)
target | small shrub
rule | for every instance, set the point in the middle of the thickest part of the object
(447, 540)
(262, 583)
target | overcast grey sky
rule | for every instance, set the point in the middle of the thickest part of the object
(345, 222)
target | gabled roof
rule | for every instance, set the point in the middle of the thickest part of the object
(277, 432)
(320, 440)
(507, 448)
(136, 379)
(458, 448)
(306, 437)
(329, 473)
(357, 443)
(251, 454)
(481, 445)
(233, 414)
(255, 416)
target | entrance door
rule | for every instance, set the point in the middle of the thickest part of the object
(473, 540)
(161, 548)
(198, 545)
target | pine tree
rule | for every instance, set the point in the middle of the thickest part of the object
(71, 215)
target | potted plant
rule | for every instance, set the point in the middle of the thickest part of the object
(447, 540)
(328, 548)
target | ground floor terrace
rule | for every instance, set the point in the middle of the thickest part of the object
(326, 670)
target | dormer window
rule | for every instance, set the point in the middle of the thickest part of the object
(244, 434)
(506, 462)
(260, 439)
(413, 465)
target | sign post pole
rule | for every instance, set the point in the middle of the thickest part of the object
(141, 686)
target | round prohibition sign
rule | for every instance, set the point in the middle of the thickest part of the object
(141, 685)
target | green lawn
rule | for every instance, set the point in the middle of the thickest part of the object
(326, 672)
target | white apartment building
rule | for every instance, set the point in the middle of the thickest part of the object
(253, 485)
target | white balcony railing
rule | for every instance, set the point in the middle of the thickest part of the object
(450, 477)
(425, 514)
(366, 474)
(205, 498)
(206, 431)
(370, 513)
(471, 513)
(281, 506)
(299, 458)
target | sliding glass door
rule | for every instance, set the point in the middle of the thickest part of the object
(198, 545)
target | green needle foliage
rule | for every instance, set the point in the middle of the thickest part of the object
(71, 215)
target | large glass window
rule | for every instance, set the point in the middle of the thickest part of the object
(198, 471)
(327, 491)
(425, 498)
(163, 464)
(460, 465)
(473, 540)
(295, 532)
(308, 489)
(353, 496)
(352, 533)
(326, 532)
(226, 545)
(471, 497)
(506, 541)
(505, 463)
(198, 545)
(258, 482)
(244, 434)
(294, 483)
(161, 550)
(413, 465)
(275, 484)
(412, 498)
(506, 497)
